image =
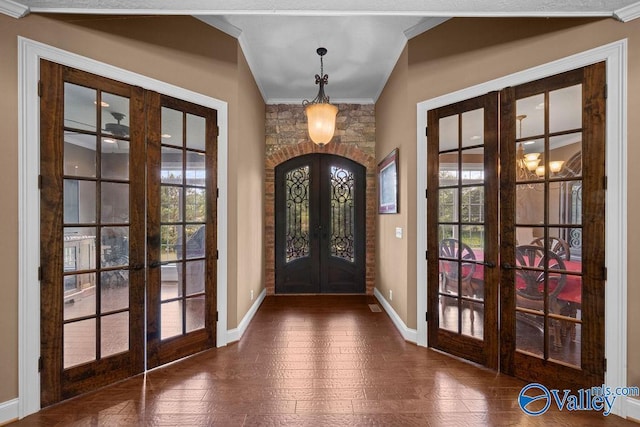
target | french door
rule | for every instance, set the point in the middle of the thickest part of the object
(463, 217)
(552, 227)
(536, 277)
(126, 177)
(320, 225)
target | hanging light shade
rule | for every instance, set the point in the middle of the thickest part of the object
(321, 115)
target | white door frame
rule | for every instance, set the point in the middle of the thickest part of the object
(615, 55)
(29, 54)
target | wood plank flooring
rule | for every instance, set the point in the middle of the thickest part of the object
(313, 361)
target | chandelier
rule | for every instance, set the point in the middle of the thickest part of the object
(528, 165)
(321, 115)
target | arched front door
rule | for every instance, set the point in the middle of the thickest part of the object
(320, 225)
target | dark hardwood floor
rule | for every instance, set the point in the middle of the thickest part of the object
(314, 361)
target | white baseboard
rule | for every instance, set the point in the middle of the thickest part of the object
(632, 408)
(236, 333)
(410, 335)
(8, 411)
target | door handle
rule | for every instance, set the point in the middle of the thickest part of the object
(489, 264)
(136, 267)
(508, 266)
(156, 264)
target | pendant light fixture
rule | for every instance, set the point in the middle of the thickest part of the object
(321, 115)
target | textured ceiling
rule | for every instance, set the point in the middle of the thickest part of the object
(364, 38)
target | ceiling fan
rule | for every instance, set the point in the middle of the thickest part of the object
(117, 129)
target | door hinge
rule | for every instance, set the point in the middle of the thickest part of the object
(604, 273)
(39, 88)
(39, 273)
(40, 364)
(217, 130)
(605, 182)
(604, 362)
(217, 254)
(217, 193)
(426, 255)
(606, 91)
(216, 316)
(426, 132)
(426, 193)
(426, 316)
(39, 182)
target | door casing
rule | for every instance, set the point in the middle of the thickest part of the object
(615, 56)
(29, 54)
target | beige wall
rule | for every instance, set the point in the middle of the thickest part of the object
(466, 52)
(395, 128)
(250, 152)
(179, 50)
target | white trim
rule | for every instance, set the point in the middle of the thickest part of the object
(631, 408)
(221, 24)
(407, 333)
(13, 9)
(8, 411)
(345, 9)
(628, 13)
(237, 333)
(615, 55)
(421, 226)
(424, 25)
(335, 101)
(29, 54)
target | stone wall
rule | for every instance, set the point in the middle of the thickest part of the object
(286, 124)
(287, 137)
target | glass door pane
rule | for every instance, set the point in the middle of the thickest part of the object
(183, 221)
(548, 282)
(461, 208)
(96, 225)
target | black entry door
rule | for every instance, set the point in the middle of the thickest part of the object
(320, 225)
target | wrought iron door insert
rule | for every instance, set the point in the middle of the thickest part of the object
(320, 225)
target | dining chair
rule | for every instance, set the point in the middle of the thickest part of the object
(456, 281)
(530, 286)
(557, 245)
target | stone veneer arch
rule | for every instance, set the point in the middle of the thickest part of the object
(345, 150)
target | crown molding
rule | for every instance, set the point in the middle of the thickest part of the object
(336, 101)
(424, 25)
(628, 13)
(221, 24)
(13, 9)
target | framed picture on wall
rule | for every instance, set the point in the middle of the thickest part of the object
(388, 184)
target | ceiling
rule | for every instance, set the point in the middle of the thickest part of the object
(364, 38)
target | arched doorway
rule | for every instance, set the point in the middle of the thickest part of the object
(320, 225)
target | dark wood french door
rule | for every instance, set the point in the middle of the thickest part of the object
(127, 175)
(463, 239)
(523, 290)
(320, 225)
(552, 214)
(181, 228)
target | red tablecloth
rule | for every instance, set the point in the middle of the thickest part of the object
(572, 291)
